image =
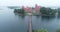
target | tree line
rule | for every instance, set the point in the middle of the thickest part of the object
(43, 11)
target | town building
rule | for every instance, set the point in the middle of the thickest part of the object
(36, 9)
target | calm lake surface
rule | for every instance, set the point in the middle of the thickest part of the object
(9, 22)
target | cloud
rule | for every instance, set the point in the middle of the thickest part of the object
(29, 2)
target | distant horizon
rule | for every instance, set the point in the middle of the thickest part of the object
(53, 7)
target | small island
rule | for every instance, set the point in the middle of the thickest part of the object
(38, 10)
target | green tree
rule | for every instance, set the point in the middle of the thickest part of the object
(40, 30)
(43, 10)
(58, 30)
(20, 11)
(47, 11)
(58, 10)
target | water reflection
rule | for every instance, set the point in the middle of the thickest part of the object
(20, 16)
(46, 22)
(58, 16)
(47, 18)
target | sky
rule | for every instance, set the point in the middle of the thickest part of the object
(46, 3)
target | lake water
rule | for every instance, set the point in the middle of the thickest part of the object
(9, 22)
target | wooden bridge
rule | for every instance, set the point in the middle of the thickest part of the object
(30, 24)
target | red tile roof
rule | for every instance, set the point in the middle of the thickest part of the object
(29, 9)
